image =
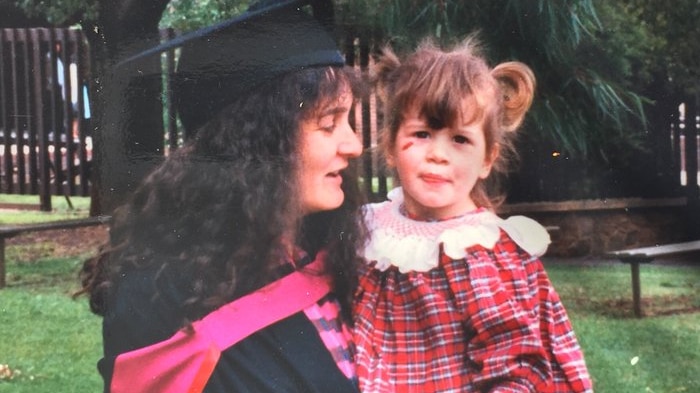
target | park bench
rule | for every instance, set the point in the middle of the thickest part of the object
(8, 231)
(636, 256)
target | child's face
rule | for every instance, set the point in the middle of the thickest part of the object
(326, 144)
(438, 168)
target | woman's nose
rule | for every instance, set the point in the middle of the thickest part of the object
(350, 144)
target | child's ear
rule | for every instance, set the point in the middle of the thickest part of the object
(489, 161)
(390, 160)
(517, 87)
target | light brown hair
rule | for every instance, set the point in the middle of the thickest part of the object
(437, 82)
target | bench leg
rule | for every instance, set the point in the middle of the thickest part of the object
(636, 290)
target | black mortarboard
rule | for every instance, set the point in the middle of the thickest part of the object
(220, 62)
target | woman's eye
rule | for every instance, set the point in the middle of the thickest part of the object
(460, 139)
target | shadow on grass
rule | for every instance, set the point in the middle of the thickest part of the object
(58, 273)
(651, 306)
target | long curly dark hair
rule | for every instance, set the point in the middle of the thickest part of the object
(219, 209)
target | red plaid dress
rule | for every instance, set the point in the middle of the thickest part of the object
(461, 306)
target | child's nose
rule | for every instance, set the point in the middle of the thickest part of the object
(437, 150)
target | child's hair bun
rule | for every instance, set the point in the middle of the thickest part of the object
(383, 72)
(517, 84)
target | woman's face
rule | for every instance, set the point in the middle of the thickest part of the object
(326, 143)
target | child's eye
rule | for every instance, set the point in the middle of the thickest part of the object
(460, 139)
(422, 134)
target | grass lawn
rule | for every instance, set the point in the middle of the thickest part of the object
(60, 209)
(51, 343)
(657, 353)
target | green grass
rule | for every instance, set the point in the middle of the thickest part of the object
(657, 353)
(60, 209)
(49, 342)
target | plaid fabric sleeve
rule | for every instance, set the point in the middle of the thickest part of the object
(569, 371)
(525, 277)
(505, 349)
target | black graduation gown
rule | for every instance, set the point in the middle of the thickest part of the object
(287, 356)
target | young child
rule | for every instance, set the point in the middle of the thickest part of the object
(454, 298)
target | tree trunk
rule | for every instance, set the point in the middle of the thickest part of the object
(127, 117)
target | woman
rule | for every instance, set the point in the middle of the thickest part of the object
(261, 189)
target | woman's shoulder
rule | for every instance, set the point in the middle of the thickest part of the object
(140, 312)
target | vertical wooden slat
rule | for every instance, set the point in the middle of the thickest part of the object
(23, 113)
(675, 145)
(14, 111)
(366, 129)
(84, 124)
(55, 104)
(691, 147)
(40, 131)
(34, 121)
(70, 127)
(6, 165)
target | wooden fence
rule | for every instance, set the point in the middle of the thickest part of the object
(45, 143)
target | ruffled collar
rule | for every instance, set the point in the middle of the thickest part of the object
(412, 245)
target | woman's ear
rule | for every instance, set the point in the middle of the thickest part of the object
(517, 88)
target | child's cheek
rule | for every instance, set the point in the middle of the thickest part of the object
(406, 146)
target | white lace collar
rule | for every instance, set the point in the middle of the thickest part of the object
(414, 245)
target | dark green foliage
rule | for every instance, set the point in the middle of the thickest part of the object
(583, 103)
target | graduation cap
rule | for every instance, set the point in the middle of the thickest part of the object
(219, 63)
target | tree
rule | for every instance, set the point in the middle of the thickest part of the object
(677, 44)
(128, 137)
(187, 15)
(578, 99)
(57, 13)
